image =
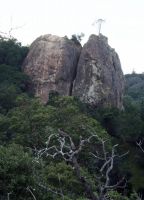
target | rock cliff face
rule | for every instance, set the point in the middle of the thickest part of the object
(99, 79)
(92, 73)
(51, 64)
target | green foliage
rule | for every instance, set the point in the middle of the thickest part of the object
(66, 114)
(127, 124)
(11, 75)
(30, 123)
(12, 83)
(61, 177)
(12, 80)
(16, 169)
(133, 166)
(12, 53)
(135, 196)
(135, 86)
(114, 195)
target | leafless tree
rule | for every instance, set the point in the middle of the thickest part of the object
(107, 159)
(69, 153)
(99, 23)
(67, 149)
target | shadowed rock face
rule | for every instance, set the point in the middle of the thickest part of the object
(99, 79)
(51, 64)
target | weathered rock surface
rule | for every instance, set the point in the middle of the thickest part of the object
(93, 73)
(99, 79)
(51, 64)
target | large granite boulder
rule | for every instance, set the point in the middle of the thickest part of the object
(92, 73)
(51, 64)
(99, 80)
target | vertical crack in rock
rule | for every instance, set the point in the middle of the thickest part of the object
(74, 76)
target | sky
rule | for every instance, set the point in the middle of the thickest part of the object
(124, 23)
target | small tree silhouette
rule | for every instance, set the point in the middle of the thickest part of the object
(99, 22)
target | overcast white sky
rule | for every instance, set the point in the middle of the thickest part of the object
(124, 24)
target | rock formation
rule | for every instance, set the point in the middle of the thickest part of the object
(99, 79)
(51, 64)
(96, 77)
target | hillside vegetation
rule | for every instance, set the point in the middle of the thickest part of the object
(66, 150)
(135, 86)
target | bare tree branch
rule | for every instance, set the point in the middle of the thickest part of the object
(106, 168)
(28, 188)
(67, 149)
(69, 152)
(8, 195)
(139, 144)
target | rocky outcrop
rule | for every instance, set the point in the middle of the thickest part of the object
(92, 73)
(51, 64)
(99, 79)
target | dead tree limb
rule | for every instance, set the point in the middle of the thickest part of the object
(69, 153)
(106, 168)
(29, 189)
(140, 144)
(67, 149)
